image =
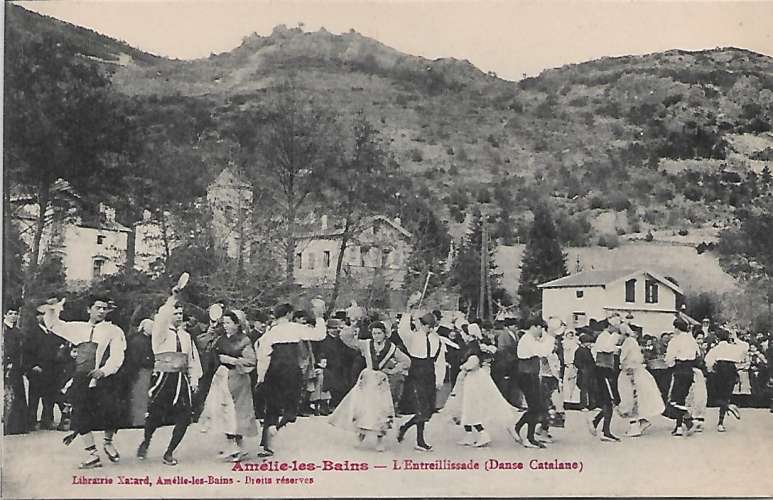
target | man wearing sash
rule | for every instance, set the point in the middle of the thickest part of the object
(425, 375)
(533, 346)
(100, 347)
(279, 373)
(682, 355)
(176, 373)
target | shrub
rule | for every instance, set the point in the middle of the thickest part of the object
(609, 240)
(683, 232)
(416, 155)
(649, 236)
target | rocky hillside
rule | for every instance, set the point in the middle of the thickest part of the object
(674, 140)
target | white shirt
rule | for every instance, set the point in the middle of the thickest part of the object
(725, 351)
(285, 332)
(164, 339)
(529, 347)
(682, 347)
(606, 342)
(416, 344)
(104, 334)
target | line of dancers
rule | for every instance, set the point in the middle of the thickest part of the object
(611, 374)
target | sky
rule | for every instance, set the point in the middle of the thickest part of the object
(511, 38)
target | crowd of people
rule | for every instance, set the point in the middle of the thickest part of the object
(242, 379)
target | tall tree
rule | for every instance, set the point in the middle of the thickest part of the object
(61, 123)
(363, 184)
(466, 271)
(287, 147)
(543, 260)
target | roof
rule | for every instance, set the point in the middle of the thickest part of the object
(333, 232)
(604, 278)
(588, 278)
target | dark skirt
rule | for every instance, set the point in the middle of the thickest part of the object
(281, 391)
(532, 391)
(419, 394)
(169, 398)
(95, 408)
(606, 387)
(724, 379)
(15, 405)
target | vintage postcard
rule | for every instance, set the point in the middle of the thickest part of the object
(387, 249)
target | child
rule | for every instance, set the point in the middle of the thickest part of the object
(320, 398)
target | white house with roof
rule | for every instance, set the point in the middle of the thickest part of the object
(380, 245)
(650, 298)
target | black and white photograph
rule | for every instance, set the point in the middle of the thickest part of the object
(380, 248)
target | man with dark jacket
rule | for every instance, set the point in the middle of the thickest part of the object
(44, 355)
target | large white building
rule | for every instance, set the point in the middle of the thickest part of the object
(651, 299)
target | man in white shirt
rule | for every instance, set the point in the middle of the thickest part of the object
(279, 371)
(100, 347)
(531, 347)
(426, 373)
(682, 354)
(176, 373)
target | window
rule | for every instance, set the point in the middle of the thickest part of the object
(580, 318)
(651, 292)
(311, 260)
(363, 253)
(100, 239)
(385, 253)
(630, 290)
(580, 294)
(326, 258)
(299, 260)
(97, 267)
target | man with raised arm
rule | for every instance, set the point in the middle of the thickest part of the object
(100, 347)
(426, 373)
(176, 373)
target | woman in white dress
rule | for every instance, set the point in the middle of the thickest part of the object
(475, 401)
(640, 397)
(368, 408)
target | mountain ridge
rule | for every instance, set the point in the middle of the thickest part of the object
(594, 136)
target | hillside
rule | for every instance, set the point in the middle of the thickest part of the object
(650, 137)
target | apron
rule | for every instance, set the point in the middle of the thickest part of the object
(93, 405)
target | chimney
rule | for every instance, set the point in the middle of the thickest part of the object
(323, 220)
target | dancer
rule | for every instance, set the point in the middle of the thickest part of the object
(721, 361)
(475, 401)
(606, 351)
(176, 373)
(368, 407)
(532, 346)
(100, 347)
(682, 355)
(640, 397)
(279, 373)
(229, 405)
(426, 374)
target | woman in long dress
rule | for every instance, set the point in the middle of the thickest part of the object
(640, 397)
(475, 401)
(139, 366)
(229, 407)
(368, 407)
